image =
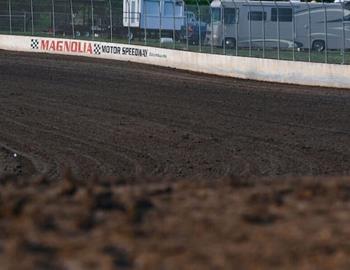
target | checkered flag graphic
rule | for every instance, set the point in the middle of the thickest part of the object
(97, 48)
(35, 44)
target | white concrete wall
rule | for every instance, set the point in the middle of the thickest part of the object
(315, 74)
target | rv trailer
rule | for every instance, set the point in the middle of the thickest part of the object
(272, 24)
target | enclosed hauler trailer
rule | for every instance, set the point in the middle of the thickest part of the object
(283, 24)
(154, 14)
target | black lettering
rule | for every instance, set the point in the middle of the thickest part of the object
(105, 49)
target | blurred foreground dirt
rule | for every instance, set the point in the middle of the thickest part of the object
(150, 223)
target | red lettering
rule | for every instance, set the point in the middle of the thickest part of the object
(52, 46)
(59, 46)
(44, 44)
(89, 48)
(66, 46)
(79, 48)
(74, 46)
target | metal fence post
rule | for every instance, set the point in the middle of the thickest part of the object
(174, 24)
(111, 19)
(343, 34)
(72, 15)
(293, 28)
(250, 31)
(160, 24)
(92, 20)
(309, 27)
(53, 18)
(24, 22)
(186, 18)
(145, 14)
(32, 16)
(223, 30)
(278, 29)
(199, 27)
(236, 25)
(128, 14)
(211, 27)
(263, 25)
(326, 33)
(10, 15)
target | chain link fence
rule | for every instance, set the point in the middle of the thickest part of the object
(286, 30)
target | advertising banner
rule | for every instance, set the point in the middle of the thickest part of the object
(271, 70)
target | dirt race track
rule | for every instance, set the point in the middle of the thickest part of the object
(192, 169)
(114, 118)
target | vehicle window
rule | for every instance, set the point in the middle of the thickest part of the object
(256, 16)
(216, 13)
(230, 15)
(284, 14)
(347, 11)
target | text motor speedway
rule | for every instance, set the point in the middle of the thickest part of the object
(68, 46)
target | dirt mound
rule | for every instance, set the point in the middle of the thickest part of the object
(148, 223)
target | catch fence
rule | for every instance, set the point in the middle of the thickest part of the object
(286, 30)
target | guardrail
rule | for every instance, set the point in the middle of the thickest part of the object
(315, 74)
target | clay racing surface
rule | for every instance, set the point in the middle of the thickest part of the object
(191, 169)
(116, 118)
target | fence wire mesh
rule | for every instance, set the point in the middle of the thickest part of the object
(286, 30)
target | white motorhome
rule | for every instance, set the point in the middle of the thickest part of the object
(279, 24)
(154, 14)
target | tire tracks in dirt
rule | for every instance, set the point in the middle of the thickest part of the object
(107, 117)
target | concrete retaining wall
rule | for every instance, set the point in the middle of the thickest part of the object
(316, 74)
